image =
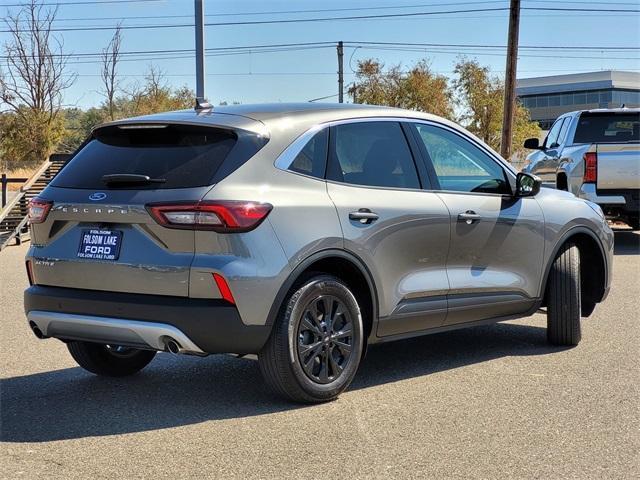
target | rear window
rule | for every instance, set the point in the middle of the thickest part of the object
(179, 156)
(608, 128)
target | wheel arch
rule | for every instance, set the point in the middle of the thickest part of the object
(562, 182)
(593, 273)
(343, 265)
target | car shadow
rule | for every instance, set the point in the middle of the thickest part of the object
(175, 391)
(626, 243)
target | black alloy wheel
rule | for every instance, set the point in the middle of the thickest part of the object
(325, 338)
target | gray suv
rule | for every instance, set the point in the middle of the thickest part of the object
(301, 233)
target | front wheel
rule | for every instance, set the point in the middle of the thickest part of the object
(109, 360)
(315, 347)
(563, 298)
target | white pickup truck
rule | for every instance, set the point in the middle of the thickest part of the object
(595, 154)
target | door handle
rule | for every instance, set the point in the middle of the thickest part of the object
(364, 216)
(469, 217)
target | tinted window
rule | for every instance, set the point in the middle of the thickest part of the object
(459, 164)
(182, 156)
(592, 97)
(372, 153)
(563, 131)
(552, 137)
(608, 128)
(313, 157)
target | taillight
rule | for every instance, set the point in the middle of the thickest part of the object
(224, 216)
(38, 210)
(32, 279)
(590, 167)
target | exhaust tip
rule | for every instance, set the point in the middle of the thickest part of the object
(36, 331)
(172, 346)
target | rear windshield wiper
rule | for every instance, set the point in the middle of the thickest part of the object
(130, 178)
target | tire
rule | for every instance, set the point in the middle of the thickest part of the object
(563, 298)
(309, 357)
(109, 361)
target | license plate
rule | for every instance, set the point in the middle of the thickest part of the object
(100, 244)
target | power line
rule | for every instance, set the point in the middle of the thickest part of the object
(86, 2)
(325, 19)
(268, 22)
(469, 45)
(247, 49)
(277, 12)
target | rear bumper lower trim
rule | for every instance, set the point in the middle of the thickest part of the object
(211, 325)
(110, 330)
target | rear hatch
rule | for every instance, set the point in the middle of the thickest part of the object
(99, 233)
(615, 139)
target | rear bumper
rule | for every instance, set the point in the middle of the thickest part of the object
(198, 325)
(622, 201)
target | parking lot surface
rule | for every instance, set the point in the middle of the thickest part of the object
(487, 402)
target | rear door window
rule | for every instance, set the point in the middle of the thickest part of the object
(374, 154)
(178, 156)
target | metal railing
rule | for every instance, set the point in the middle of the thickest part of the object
(5, 183)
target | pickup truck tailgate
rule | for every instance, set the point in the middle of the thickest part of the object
(618, 166)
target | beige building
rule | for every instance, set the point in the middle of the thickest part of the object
(549, 97)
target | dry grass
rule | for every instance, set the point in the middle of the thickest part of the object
(19, 172)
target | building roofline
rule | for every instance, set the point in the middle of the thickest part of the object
(606, 79)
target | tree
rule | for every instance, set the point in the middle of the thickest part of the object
(109, 73)
(32, 84)
(417, 89)
(153, 96)
(480, 98)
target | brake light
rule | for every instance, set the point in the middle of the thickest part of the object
(590, 167)
(223, 286)
(38, 210)
(224, 216)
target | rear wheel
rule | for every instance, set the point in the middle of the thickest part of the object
(316, 344)
(563, 298)
(109, 360)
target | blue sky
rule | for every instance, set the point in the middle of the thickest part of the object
(301, 75)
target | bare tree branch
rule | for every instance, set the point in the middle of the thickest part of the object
(34, 81)
(109, 73)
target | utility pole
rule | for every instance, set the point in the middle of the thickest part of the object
(199, 24)
(510, 80)
(340, 72)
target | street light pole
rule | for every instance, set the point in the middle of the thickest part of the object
(340, 72)
(200, 74)
(510, 80)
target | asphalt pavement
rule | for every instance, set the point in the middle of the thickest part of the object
(486, 402)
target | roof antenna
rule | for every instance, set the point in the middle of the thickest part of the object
(201, 101)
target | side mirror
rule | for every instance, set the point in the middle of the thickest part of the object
(527, 185)
(532, 144)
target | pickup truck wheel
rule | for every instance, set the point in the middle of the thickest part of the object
(109, 360)
(316, 343)
(563, 298)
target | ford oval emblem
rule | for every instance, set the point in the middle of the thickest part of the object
(97, 196)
